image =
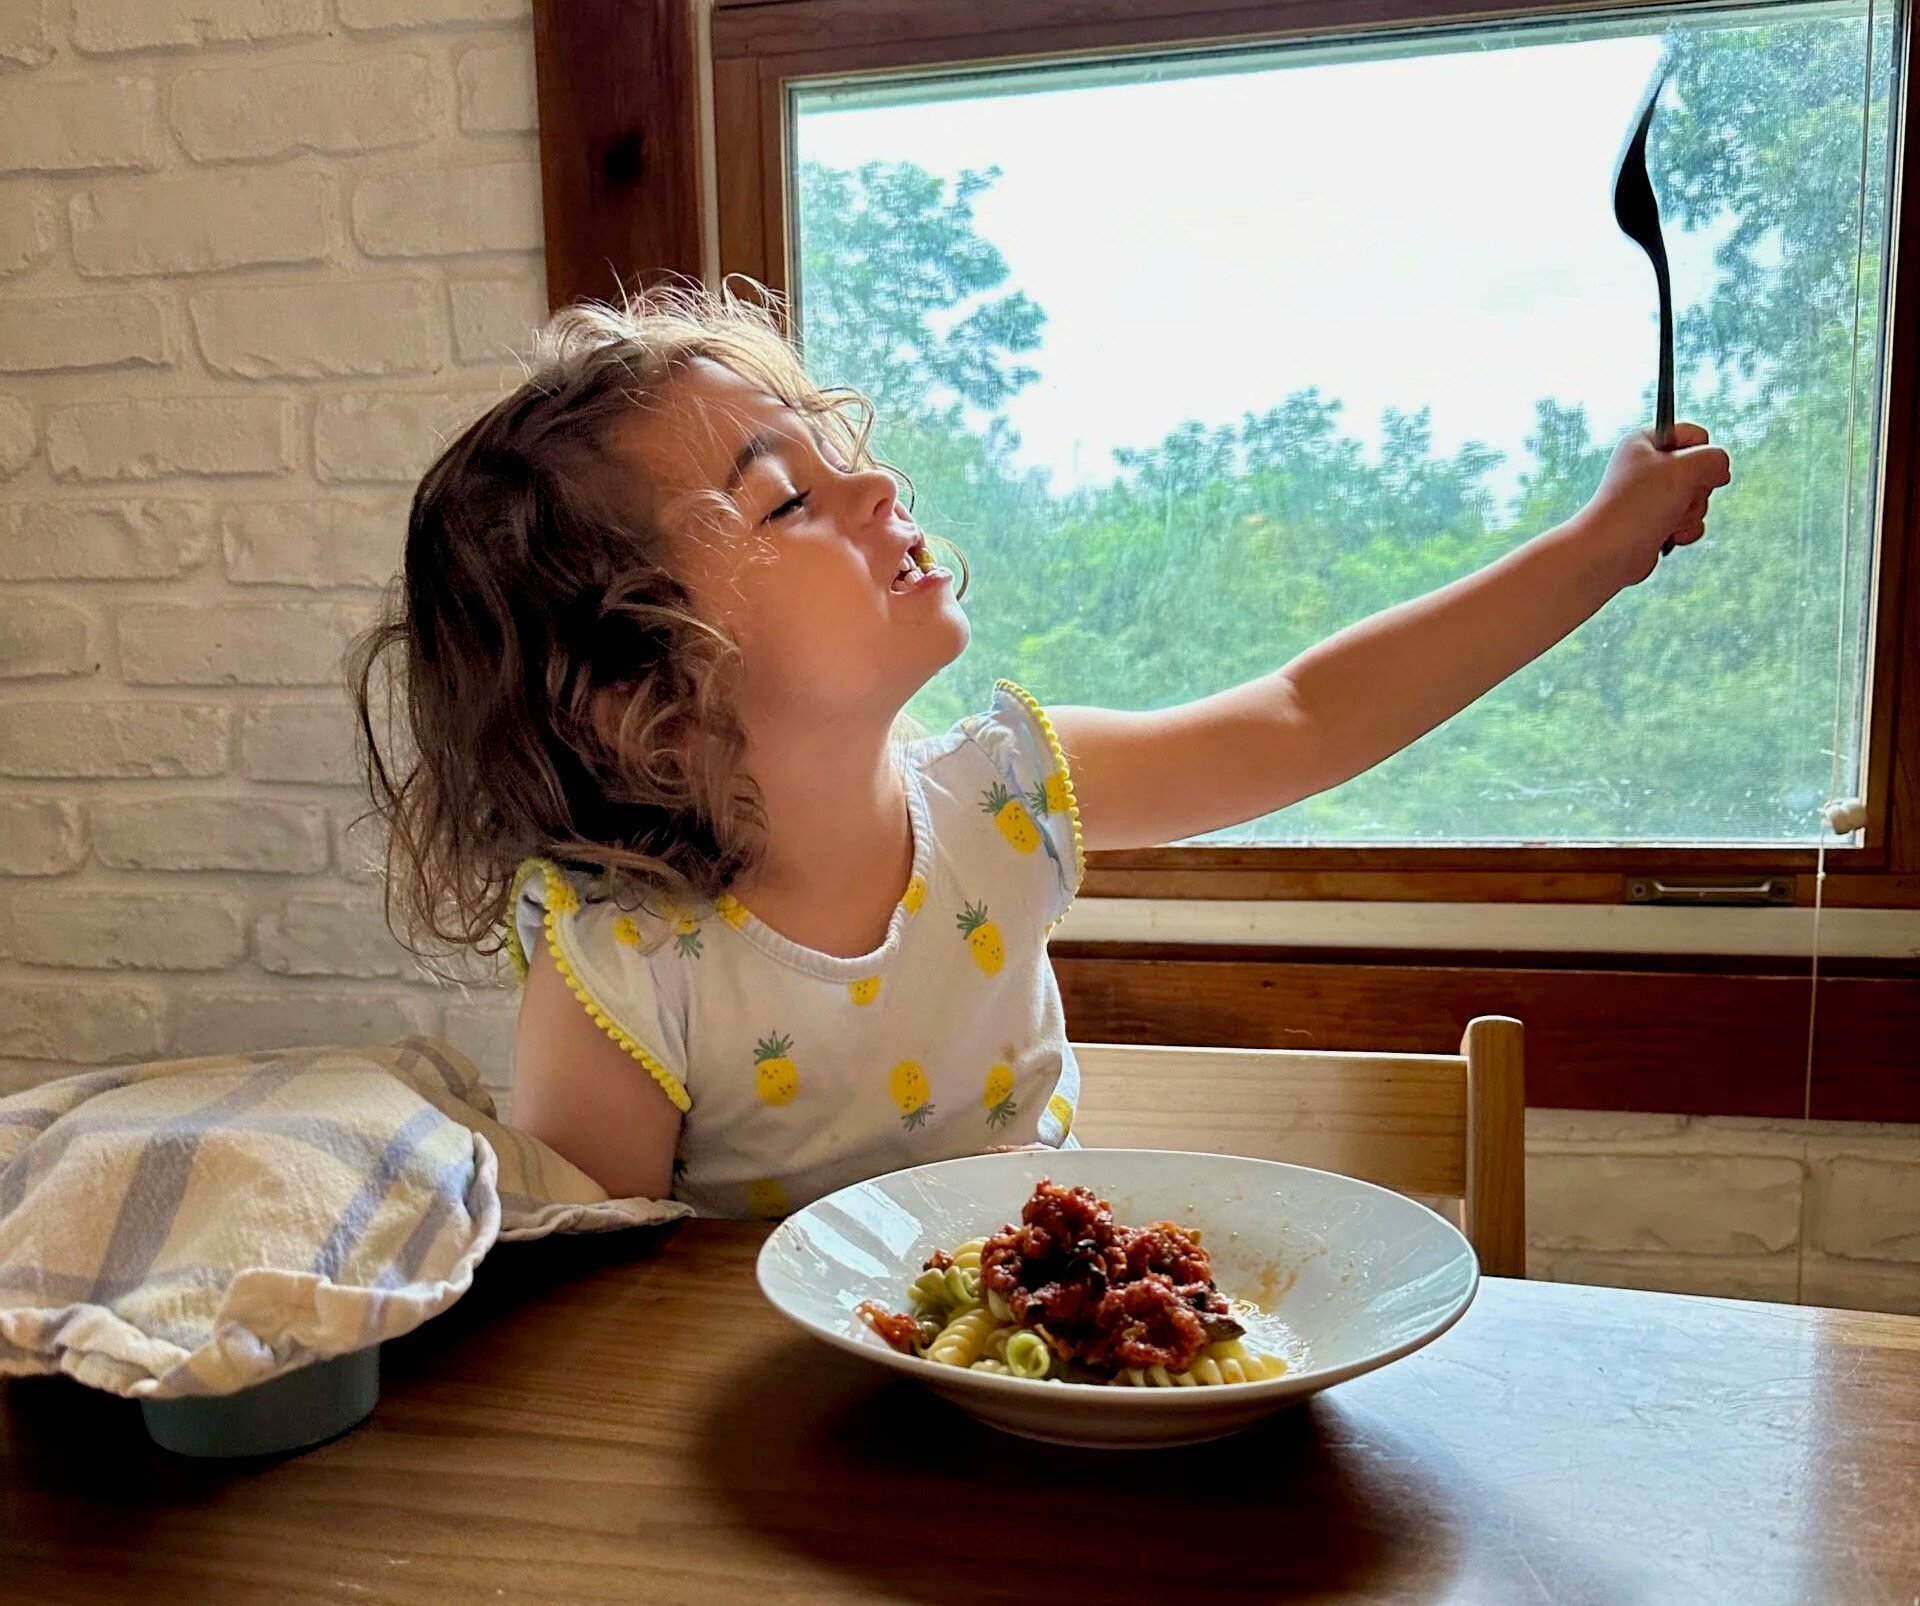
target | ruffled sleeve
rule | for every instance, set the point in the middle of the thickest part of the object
(605, 960)
(1027, 800)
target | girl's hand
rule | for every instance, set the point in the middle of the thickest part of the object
(1649, 497)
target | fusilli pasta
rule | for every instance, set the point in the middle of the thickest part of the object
(1131, 1307)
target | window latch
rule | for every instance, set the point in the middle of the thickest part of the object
(1711, 892)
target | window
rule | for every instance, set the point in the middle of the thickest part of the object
(1202, 355)
(731, 136)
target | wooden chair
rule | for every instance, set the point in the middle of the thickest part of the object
(1432, 1125)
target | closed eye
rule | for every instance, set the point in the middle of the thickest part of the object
(793, 504)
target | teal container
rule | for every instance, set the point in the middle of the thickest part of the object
(288, 1413)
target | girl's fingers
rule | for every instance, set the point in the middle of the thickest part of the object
(1714, 463)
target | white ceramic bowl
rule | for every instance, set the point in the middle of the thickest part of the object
(1355, 1275)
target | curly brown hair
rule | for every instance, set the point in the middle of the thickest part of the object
(562, 695)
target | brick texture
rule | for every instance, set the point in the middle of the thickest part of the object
(450, 211)
(109, 540)
(43, 336)
(40, 636)
(265, 113)
(262, 644)
(203, 223)
(235, 236)
(18, 437)
(173, 435)
(372, 326)
(41, 836)
(211, 833)
(100, 26)
(76, 125)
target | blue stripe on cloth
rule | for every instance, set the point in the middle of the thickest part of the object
(41, 1157)
(373, 1188)
(159, 1182)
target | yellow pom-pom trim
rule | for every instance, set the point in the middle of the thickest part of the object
(1061, 1111)
(515, 952)
(562, 899)
(1061, 772)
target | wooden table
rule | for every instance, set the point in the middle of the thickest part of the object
(625, 1419)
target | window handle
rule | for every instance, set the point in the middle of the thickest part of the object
(1711, 893)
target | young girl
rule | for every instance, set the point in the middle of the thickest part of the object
(659, 614)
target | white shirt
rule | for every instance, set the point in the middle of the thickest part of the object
(799, 1072)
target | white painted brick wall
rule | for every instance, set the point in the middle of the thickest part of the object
(40, 637)
(41, 835)
(63, 123)
(257, 257)
(204, 223)
(23, 34)
(18, 437)
(101, 26)
(338, 108)
(212, 833)
(167, 436)
(315, 543)
(145, 538)
(245, 644)
(29, 225)
(44, 335)
(378, 326)
(299, 742)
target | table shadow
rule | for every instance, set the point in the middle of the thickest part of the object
(63, 1438)
(912, 1495)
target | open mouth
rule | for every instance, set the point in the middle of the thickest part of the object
(917, 569)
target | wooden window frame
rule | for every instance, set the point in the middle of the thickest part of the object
(663, 151)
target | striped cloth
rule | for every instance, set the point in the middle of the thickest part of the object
(198, 1226)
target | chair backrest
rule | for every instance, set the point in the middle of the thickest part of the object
(1451, 1125)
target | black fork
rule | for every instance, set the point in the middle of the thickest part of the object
(1637, 211)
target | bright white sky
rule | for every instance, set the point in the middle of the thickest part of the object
(1430, 231)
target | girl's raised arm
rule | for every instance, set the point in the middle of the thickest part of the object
(1142, 779)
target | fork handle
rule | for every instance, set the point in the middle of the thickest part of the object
(1663, 394)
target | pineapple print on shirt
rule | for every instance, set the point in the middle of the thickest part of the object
(767, 1199)
(1048, 798)
(983, 938)
(865, 990)
(998, 1097)
(776, 1078)
(626, 930)
(1016, 818)
(907, 1086)
(1011, 815)
(914, 896)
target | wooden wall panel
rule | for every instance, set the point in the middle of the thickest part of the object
(1695, 1042)
(619, 143)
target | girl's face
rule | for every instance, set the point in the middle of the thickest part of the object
(808, 563)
